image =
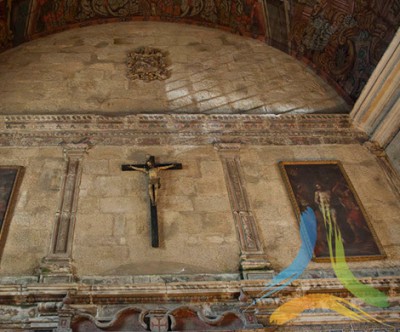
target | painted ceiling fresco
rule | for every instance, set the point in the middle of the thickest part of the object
(342, 40)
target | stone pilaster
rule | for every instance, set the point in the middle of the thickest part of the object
(252, 257)
(377, 110)
(57, 266)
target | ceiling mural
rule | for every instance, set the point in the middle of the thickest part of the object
(342, 40)
(39, 17)
(6, 35)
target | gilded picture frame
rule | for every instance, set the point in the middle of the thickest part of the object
(10, 180)
(307, 182)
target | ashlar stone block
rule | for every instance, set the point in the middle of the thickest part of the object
(176, 203)
(98, 167)
(204, 203)
(122, 204)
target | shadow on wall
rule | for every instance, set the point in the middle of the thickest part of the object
(164, 267)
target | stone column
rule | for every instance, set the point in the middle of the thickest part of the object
(252, 258)
(57, 265)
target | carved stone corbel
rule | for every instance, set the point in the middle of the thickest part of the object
(57, 266)
(65, 315)
(252, 256)
(383, 160)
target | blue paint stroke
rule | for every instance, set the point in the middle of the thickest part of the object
(308, 234)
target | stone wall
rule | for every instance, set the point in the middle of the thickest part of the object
(197, 226)
(197, 234)
(30, 231)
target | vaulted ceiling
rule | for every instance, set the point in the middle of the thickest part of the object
(342, 40)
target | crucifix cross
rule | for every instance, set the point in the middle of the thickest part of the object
(152, 170)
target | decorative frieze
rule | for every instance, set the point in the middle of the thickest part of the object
(195, 129)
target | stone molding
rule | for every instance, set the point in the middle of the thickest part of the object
(196, 129)
(195, 292)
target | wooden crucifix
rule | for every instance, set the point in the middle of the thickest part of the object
(152, 170)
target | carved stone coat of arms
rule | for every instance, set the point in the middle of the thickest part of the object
(148, 64)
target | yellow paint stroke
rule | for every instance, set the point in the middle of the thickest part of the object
(295, 307)
(366, 293)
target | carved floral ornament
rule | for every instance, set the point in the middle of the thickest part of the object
(148, 64)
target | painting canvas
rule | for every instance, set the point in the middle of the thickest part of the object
(10, 178)
(325, 187)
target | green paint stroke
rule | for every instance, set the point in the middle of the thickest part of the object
(367, 293)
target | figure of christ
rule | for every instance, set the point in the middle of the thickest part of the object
(323, 199)
(152, 171)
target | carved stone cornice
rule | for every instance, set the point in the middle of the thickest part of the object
(216, 304)
(162, 293)
(155, 129)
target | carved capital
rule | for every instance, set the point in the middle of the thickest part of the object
(76, 150)
(227, 147)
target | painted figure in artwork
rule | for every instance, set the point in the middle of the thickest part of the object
(323, 199)
(325, 188)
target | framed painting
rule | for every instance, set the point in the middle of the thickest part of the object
(325, 187)
(10, 179)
